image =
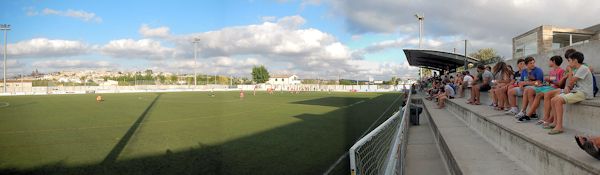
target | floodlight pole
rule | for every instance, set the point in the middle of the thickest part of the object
(5, 28)
(466, 64)
(196, 41)
(420, 18)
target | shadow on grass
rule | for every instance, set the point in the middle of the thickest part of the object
(332, 101)
(116, 151)
(309, 146)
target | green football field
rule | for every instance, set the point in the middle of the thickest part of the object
(185, 132)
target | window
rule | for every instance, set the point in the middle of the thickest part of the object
(526, 46)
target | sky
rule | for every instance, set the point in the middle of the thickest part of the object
(352, 39)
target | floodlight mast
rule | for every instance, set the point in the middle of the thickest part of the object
(420, 18)
(5, 28)
(196, 41)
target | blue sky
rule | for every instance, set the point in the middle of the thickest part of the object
(113, 20)
(357, 39)
(123, 18)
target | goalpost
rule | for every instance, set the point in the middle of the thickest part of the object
(382, 150)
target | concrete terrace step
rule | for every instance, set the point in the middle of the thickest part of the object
(582, 117)
(543, 153)
(422, 153)
(466, 151)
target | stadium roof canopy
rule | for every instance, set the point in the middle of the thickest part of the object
(436, 60)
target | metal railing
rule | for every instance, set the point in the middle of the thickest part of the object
(382, 150)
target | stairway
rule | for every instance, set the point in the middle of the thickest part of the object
(479, 140)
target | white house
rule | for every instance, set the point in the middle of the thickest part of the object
(17, 83)
(284, 79)
(109, 83)
(67, 80)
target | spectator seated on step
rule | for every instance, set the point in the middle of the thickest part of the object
(447, 92)
(482, 83)
(532, 79)
(579, 88)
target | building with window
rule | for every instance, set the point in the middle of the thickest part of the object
(284, 79)
(11, 85)
(546, 38)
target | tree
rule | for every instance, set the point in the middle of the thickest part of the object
(161, 78)
(393, 81)
(260, 74)
(173, 78)
(486, 56)
(222, 80)
(347, 82)
(148, 72)
(427, 72)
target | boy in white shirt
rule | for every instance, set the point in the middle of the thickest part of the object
(579, 88)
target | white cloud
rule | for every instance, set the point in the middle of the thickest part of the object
(15, 68)
(283, 39)
(402, 43)
(311, 2)
(280, 45)
(159, 32)
(268, 18)
(43, 47)
(214, 65)
(382, 70)
(144, 48)
(30, 11)
(291, 22)
(64, 63)
(78, 14)
(477, 21)
(11, 63)
(284, 46)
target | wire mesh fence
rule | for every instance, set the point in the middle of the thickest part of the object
(382, 150)
(371, 156)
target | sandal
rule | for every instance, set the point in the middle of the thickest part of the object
(549, 126)
(476, 103)
(554, 132)
(540, 122)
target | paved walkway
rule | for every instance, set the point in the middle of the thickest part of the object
(422, 154)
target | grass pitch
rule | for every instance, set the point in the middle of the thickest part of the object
(186, 132)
